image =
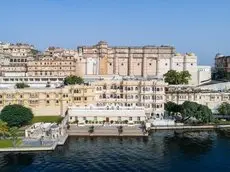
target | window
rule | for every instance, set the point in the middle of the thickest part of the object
(110, 64)
(47, 96)
(57, 101)
(130, 118)
(150, 64)
(138, 64)
(122, 64)
(177, 64)
(166, 64)
(138, 118)
(84, 118)
(95, 118)
(85, 98)
(47, 101)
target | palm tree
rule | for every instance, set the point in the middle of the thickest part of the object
(120, 130)
(14, 135)
(4, 130)
(143, 127)
(91, 129)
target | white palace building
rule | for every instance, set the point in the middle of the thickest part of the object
(108, 114)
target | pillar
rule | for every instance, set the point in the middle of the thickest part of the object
(130, 64)
(144, 66)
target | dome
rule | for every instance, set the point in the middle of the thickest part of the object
(190, 54)
(178, 54)
(218, 55)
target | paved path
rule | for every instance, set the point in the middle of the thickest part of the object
(105, 131)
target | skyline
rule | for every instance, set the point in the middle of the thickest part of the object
(188, 26)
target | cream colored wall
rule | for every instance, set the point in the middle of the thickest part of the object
(212, 100)
(137, 66)
(163, 66)
(123, 69)
(48, 102)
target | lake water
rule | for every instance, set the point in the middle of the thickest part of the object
(161, 151)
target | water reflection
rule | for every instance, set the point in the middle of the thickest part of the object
(190, 143)
(18, 158)
(161, 151)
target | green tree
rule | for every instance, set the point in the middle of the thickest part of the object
(172, 108)
(198, 111)
(185, 76)
(34, 52)
(220, 74)
(21, 85)
(4, 130)
(171, 77)
(91, 129)
(72, 80)
(224, 109)
(120, 130)
(175, 78)
(16, 115)
(14, 135)
(188, 110)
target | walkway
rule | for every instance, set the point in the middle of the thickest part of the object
(105, 131)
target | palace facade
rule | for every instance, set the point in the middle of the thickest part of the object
(149, 94)
(100, 59)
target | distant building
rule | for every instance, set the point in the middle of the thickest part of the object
(222, 62)
(100, 59)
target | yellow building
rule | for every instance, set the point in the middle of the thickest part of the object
(48, 101)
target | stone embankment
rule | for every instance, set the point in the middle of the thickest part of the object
(189, 127)
(106, 131)
(52, 147)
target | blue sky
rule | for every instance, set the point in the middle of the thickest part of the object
(199, 26)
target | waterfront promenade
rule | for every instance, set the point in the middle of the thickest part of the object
(174, 127)
(106, 131)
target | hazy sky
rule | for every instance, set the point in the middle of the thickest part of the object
(199, 26)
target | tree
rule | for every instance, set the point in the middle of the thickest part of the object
(224, 109)
(16, 115)
(171, 77)
(21, 85)
(175, 78)
(120, 129)
(91, 129)
(188, 110)
(4, 130)
(192, 109)
(34, 52)
(72, 80)
(14, 135)
(172, 108)
(185, 76)
(220, 74)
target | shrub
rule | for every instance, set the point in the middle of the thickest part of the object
(72, 80)
(21, 85)
(16, 115)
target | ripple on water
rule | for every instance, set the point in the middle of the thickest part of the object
(161, 151)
